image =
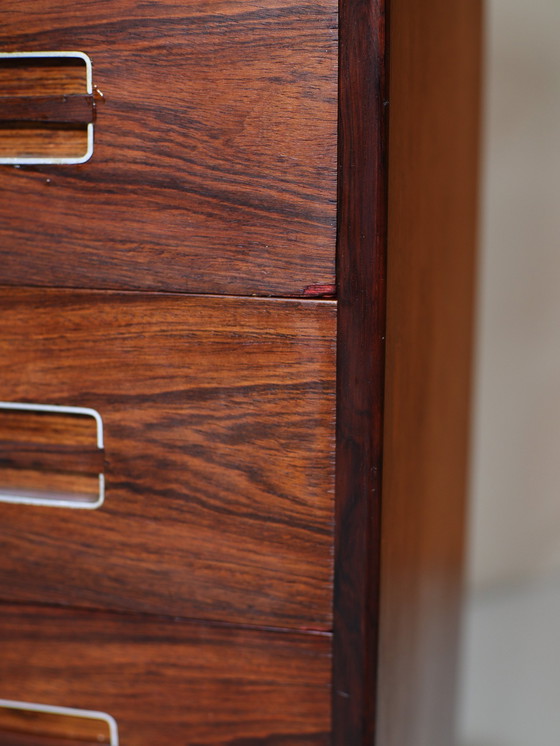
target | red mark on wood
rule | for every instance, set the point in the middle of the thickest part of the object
(319, 291)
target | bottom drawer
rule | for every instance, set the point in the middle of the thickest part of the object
(167, 682)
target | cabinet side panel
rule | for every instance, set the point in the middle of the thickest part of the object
(433, 156)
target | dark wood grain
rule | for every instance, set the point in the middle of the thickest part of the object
(219, 446)
(48, 457)
(73, 108)
(433, 157)
(48, 428)
(41, 78)
(361, 293)
(171, 683)
(215, 151)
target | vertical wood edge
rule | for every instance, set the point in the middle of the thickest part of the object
(361, 271)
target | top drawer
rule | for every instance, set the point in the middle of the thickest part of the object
(214, 165)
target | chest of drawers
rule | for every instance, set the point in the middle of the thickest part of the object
(234, 369)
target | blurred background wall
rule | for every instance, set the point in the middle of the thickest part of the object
(511, 669)
(516, 512)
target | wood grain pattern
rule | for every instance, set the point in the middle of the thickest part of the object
(48, 428)
(215, 151)
(171, 683)
(73, 108)
(219, 443)
(361, 324)
(433, 151)
(44, 141)
(19, 726)
(50, 457)
(47, 484)
(21, 739)
(33, 78)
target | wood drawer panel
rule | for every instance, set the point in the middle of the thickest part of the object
(214, 167)
(171, 683)
(219, 447)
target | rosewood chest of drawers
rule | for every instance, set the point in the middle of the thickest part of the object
(236, 273)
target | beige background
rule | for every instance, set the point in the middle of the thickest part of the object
(515, 532)
(511, 642)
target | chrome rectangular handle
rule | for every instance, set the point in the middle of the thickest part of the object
(50, 471)
(36, 108)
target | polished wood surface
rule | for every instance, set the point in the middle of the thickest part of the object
(219, 454)
(48, 455)
(433, 156)
(73, 108)
(214, 168)
(40, 140)
(361, 335)
(171, 683)
(35, 76)
(286, 619)
(23, 739)
(31, 79)
(20, 726)
(39, 456)
(47, 429)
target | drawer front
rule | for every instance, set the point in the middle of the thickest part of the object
(214, 165)
(218, 428)
(168, 683)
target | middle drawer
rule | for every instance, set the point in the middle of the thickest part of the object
(218, 420)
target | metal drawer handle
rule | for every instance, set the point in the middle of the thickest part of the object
(48, 721)
(65, 109)
(49, 472)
